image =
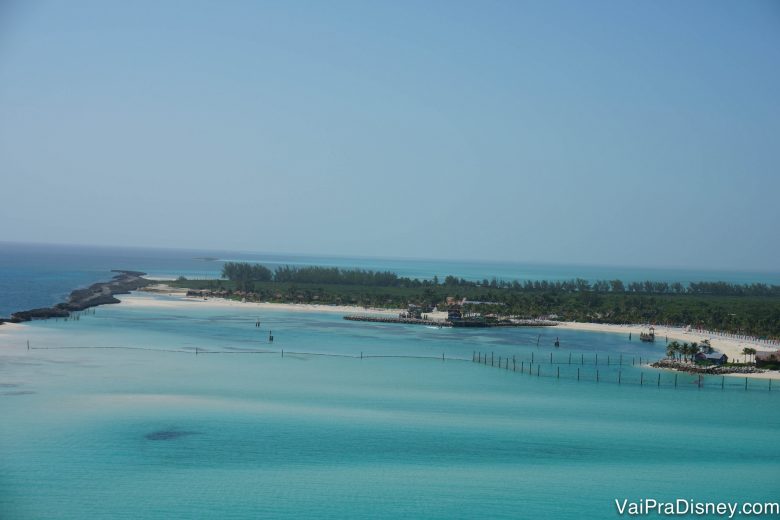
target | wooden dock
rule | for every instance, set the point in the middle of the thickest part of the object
(459, 323)
(389, 319)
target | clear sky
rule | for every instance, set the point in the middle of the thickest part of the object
(632, 133)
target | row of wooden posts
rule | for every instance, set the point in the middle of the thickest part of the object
(503, 362)
(571, 360)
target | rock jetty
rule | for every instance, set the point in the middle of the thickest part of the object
(705, 369)
(96, 294)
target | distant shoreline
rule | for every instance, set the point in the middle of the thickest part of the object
(126, 281)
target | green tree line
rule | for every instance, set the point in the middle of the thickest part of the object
(242, 272)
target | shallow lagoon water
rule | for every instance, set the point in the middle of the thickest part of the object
(118, 433)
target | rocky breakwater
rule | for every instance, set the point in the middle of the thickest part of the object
(96, 294)
(684, 366)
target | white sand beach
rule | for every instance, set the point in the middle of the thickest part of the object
(730, 346)
(140, 299)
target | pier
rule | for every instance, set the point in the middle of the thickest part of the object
(447, 323)
(390, 319)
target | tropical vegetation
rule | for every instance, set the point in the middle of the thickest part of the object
(752, 309)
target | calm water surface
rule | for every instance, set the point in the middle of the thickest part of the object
(142, 434)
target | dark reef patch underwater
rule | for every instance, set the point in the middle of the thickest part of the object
(167, 435)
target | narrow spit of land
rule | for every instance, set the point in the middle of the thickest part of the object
(100, 293)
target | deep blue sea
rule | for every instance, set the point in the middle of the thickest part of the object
(166, 408)
(37, 275)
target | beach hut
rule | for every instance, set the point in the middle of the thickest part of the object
(716, 358)
(771, 358)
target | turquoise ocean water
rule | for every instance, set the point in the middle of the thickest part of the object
(116, 416)
(165, 433)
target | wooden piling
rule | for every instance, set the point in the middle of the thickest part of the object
(597, 359)
(282, 352)
(597, 376)
(514, 364)
(570, 358)
(361, 355)
(641, 379)
(491, 359)
(578, 373)
(582, 359)
(659, 380)
(607, 360)
(28, 344)
(559, 372)
(770, 385)
(675, 380)
(532, 357)
(620, 375)
(551, 358)
(537, 370)
(522, 366)
(746, 383)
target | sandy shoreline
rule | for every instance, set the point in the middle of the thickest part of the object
(729, 346)
(139, 299)
(148, 298)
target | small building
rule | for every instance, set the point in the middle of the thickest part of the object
(454, 312)
(414, 311)
(771, 358)
(716, 358)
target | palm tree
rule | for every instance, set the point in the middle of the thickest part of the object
(673, 349)
(684, 350)
(745, 352)
(694, 349)
(750, 352)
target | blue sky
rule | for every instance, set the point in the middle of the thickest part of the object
(620, 133)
